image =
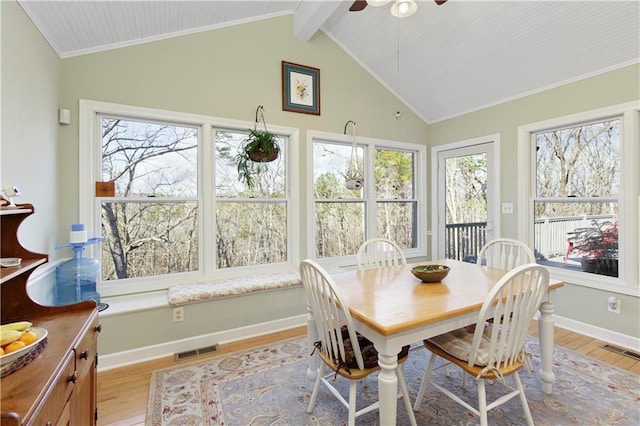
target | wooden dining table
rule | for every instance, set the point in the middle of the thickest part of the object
(393, 308)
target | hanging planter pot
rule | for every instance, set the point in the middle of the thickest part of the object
(261, 146)
(355, 184)
(354, 180)
(261, 156)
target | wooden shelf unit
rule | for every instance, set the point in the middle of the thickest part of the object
(59, 386)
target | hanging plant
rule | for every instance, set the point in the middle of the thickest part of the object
(353, 176)
(261, 146)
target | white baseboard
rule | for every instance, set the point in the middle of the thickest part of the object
(613, 337)
(148, 353)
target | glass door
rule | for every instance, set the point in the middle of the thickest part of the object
(465, 190)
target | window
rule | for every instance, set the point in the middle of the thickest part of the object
(582, 169)
(395, 195)
(179, 212)
(251, 225)
(150, 225)
(577, 195)
(389, 204)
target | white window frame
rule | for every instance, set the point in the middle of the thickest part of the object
(369, 144)
(629, 201)
(89, 205)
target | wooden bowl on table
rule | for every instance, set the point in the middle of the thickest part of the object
(430, 273)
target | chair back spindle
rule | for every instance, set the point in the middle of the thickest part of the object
(505, 253)
(380, 252)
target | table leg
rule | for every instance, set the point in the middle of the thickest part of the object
(312, 366)
(388, 388)
(545, 335)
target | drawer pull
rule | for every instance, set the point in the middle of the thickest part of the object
(98, 328)
(49, 424)
(84, 354)
(73, 378)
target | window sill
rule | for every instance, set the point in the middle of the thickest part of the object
(598, 282)
(134, 303)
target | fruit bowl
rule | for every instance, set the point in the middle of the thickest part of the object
(10, 357)
(430, 273)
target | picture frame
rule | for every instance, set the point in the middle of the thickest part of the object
(300, 88)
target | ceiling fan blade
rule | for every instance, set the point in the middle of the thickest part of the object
(440, 2)
(358, 5)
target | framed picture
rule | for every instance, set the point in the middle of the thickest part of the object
(300, 88)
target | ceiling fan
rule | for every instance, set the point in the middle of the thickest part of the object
(359, 5)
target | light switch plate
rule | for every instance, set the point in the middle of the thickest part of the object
(64, 116)
(507, 208)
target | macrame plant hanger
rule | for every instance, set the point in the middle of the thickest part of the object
(260, 117)
(398, 116)
(353, 176)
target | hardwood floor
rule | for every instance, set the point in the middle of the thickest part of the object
(123, 392)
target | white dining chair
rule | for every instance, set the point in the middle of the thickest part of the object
(505, 253)
(492, 351)
(339, 345)
(379, 252)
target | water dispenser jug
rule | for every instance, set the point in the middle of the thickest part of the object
(76, 278)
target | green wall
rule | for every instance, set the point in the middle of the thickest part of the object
(615, 87)
(29, 117)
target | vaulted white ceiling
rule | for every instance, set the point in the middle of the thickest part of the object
(443, 61)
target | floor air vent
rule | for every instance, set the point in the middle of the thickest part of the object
(622, 351)
(195, 352)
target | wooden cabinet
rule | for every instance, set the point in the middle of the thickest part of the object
(59, 386)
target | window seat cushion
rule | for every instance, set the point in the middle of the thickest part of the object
(181, 294)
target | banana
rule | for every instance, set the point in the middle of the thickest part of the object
(9, 336)
(18, 326)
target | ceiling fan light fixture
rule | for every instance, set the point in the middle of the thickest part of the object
(403, 8)
(377, 3)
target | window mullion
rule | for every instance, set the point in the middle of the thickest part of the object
(206, 204)
(630, 200)
(371, 207)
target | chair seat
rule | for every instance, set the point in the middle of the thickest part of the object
(475, 369)
(458, 344)
(356, 373)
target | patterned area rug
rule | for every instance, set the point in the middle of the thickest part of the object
(268, 386)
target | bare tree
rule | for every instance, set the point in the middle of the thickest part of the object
(151, 164)
(578, 162)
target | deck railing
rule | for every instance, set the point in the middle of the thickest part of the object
(551, 235)
(464, 240)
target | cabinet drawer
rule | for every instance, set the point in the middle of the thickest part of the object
(85, 352)
(53, 404)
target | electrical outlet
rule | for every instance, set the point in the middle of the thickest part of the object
(614, 305)
(178, 314)
(507, 208)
